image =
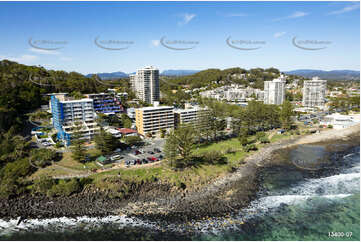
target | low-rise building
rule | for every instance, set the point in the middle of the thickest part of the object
(339, 121)
(189, 115)
(125, 132)
(153, 119)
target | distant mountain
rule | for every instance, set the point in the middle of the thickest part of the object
(111, 75)
(328, 75)
(178, 72)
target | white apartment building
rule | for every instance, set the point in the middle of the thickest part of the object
(188, 115)
(153, 119)
(274, 91)
(314, 92)
(69, 115)
(145, 84)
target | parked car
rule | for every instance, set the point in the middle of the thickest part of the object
(157, 150)
(160, 157)
(144, 161)
(137, 152)
(116, 157)
(138, 162)
(127, 163)
(151, 152)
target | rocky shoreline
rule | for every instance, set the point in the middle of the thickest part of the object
(157, 201)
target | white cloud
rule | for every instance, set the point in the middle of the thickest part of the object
(186, 18)
(297, 14)
(44, 52)
(279, 34)
(23, 59)
(155, 43)
(345, 9)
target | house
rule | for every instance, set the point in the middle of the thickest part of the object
(125, 132)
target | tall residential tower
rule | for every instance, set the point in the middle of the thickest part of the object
(274, 91)
(314, 92)
(145, 84)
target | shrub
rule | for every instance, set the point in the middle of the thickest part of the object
(329, 126)
(231, 168)
(264, 140)
(260, 135)
(243, 140)
(65, 188)
(43, 184)
(42, 157)
(250, 147)
(214, 157)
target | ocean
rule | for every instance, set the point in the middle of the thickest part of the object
(294, 204)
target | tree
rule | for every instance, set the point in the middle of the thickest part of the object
(126, 121)
(106, 142)
(180, 143)
(77, 143)
(171, 148)
(243, 136)
(286, 115)
(132, 140)
(42, 157)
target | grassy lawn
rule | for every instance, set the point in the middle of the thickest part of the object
(67, 166)
(191, 177)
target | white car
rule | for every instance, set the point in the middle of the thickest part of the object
(115, 157)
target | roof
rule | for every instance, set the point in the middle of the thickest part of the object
(127, 131)
(101, 158)
(154, 108)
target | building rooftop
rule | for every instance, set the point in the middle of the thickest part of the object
(154, 108)
(127, 131)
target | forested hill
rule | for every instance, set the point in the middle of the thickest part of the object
(253, 77)
(22, 89)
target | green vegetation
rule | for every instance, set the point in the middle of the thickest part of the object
(42, 157)
(126, 121)
(106, 142)
(77, 144)
(180, 143)
(286, 115)
(133, 140)
(23, 88)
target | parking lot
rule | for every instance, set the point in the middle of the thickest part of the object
(149, 153)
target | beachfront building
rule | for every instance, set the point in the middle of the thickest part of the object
(274, 91)
(189, 115)
(339, 121)
(106, 103)
(314, 92)
(153, 119)
(145, 84)
(69, 115)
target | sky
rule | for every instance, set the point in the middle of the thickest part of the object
(94, 37)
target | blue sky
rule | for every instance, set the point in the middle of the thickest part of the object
(269, 26)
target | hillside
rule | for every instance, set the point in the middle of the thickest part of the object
(23, 88)
(328, 75)
(109, 76)
(178, 72)
(253, 77)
